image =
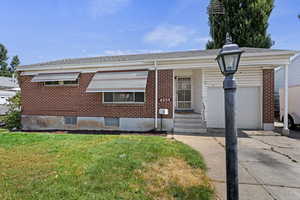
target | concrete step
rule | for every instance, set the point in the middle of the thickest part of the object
(187, 120)
(188, 125)
(187, 116)
(189, 130)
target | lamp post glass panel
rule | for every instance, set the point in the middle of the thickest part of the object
(228, 61)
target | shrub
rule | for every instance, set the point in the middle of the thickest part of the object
(13, 118)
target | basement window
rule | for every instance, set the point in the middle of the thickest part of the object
(70, 120)
(124, 97)
(112, 121)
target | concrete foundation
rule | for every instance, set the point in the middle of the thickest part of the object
(37, 122)
(268, 126)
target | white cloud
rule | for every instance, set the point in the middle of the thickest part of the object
(169, 35)
(106, 7)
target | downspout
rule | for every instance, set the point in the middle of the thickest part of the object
(156, 93)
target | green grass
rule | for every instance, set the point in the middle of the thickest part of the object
(64, 166)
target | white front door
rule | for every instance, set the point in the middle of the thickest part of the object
(183, 93)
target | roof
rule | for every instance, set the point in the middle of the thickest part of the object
(148, 56)
(7, 82)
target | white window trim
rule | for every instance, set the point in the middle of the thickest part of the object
(129, 102)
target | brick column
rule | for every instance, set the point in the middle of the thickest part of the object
(268, 99)
(165, 91)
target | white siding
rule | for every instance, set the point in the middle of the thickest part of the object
(244, 77)
(294, 72)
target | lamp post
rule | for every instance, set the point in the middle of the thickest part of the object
(228, 60)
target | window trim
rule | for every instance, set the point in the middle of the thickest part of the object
(128, 102)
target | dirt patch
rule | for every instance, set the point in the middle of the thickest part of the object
(160, 175)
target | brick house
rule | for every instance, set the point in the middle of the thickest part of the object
(127, 92)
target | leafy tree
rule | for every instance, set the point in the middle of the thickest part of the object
(14, 63)
(245, 20)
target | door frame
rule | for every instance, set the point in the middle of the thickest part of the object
(176, 96)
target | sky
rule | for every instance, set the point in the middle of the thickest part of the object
(45, 30)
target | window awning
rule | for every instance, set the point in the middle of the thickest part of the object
(55, 77)
(134, 81)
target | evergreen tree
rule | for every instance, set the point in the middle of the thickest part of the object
(3, 61)
(14, 63)
(245, 20)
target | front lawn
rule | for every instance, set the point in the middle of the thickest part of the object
(64, 166)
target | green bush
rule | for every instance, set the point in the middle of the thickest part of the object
(13, 120)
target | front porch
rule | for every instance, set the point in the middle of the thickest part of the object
(189, 116)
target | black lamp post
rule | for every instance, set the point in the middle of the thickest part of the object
(228, 60)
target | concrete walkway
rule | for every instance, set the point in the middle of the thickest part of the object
(269, 164)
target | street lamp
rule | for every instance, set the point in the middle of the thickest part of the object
(228, 60)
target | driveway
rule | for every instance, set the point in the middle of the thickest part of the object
(269, 164)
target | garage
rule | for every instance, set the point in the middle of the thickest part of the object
(248, 107)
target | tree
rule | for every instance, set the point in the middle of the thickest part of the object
(245, 20)
(3, 57)
(14, 63)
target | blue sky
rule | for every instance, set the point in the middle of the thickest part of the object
(43, 30)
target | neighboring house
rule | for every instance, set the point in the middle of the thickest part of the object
(294, 88)
(126, 92)
(8, 89)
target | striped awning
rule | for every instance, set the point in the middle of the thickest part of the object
(55, 77)
(133, 81)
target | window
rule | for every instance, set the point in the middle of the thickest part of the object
(70, 82)
(70, 120)
(110, 121)
(52, 83)
(124, 97)
(56, 83)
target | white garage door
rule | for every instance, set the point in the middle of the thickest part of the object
(248, 108)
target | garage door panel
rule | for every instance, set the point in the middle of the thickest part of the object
(248, 108)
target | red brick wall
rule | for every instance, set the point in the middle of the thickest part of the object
(165, 91)
(268, 96)
(38, 99)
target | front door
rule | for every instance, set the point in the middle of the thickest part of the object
(183, 93)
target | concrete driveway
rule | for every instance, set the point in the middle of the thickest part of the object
(269, 164)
